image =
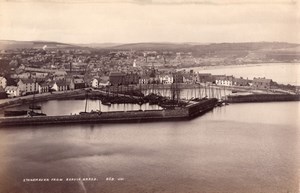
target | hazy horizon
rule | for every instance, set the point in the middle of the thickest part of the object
(150, 21)
(153, 42)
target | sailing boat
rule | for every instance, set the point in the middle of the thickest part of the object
(33, 107)
(106, 101)
(175, 98)
(85, 113)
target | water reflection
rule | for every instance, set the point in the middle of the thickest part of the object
(67, 107)
(240, 148)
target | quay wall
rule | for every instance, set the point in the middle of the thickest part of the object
(105, 117)
(262, 98)
(201, 107)
(41, 97)
(115, 117)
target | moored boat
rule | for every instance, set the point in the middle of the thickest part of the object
(34, 114)
(10, 113)
(90, 113)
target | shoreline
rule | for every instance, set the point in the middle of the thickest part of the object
(236, 66)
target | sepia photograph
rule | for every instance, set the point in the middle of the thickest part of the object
(149, 96)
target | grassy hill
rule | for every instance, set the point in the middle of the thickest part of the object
(214, 49)
(279, 51)
(210, 47)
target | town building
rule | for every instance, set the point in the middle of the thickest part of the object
(95, 82)
(77, 83)
(144, 79)
(28, 86)
(43, 87)
(241, 82)
(13, 91)
(59, 75)
(131, 78)
(204, 78)
(166, 79)
(177, 78)
(188, 78)
(262, 83)
(102, 81)
(24, 75)
(117, 78)
(224, 80)
(39, 75)
(59, 86)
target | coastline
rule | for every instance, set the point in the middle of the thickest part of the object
(236, 66)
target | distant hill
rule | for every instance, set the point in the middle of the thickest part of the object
(212, 46)
(99, 45)
(232, 50)
(183, 47)
(272, 50)
(11, 44)
(153, 46)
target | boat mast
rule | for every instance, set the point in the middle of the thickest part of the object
(86, 96)
(100, 105)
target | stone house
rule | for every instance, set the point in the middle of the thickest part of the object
(43, 87)
(77, 83)
(262, 83)
(28, 86)
(241, 82)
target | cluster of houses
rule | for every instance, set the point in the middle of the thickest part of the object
(38, 83)
(32, 85)
(117, 78)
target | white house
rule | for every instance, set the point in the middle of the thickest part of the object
(3, 82)
(103, 81)
(166, 79)
(224, 80)
(95, 83)
(13, 91)
(60, 86)
(144, 79)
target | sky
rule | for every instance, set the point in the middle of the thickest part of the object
(130, 21)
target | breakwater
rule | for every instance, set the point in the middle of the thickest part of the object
(262, 98)
(183, 113)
